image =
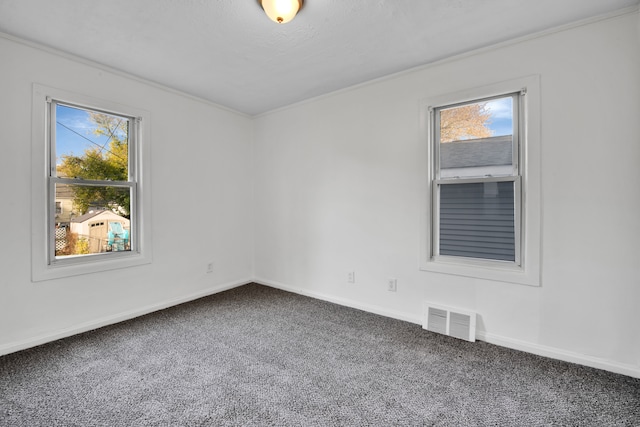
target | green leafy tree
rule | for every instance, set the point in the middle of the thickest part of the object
(109, 162)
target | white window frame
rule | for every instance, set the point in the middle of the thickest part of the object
(526, 269)
(45, 265)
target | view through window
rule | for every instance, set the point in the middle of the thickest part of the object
(476, 185)
(92, 185)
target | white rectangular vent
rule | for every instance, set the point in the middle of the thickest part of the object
(450, 321)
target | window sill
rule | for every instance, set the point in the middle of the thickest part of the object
(84, 265)
(487, 270)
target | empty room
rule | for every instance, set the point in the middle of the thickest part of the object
(320, 213)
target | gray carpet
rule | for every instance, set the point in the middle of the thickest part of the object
(256, 356)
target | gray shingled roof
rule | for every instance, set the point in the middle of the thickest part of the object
(88, 215)
(494, 151)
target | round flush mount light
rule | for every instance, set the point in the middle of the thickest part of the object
(281, 11)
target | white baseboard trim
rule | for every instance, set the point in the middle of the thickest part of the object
(117, 318)
(559, 354)
(540, 350)
(341, 301)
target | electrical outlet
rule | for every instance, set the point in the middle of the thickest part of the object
(392, 285)
(351, 277)
(210, 267)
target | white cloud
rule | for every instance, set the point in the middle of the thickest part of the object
(500, 108)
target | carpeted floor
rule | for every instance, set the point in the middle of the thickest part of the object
(256, 356)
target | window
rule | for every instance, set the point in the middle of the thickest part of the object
(88, 155)
(476, 183)
(90, 152)
(482, 213)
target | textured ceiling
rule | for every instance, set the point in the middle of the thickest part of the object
(229, 52)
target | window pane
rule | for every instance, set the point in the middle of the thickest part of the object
(91, 145)
(477, 220)
(476, 139)
(98, 220)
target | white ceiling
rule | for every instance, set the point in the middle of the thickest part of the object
(229, 52)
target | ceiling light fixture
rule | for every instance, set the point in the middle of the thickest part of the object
(281, 11)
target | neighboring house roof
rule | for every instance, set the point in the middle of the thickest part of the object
(94, 213)
(493, 151)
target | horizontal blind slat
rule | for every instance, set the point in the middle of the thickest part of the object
(477, 220)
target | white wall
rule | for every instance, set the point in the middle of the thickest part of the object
(338, 188)
(201, 203)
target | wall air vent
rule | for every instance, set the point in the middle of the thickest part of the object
(450, 321)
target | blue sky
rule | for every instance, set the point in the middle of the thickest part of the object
(501, 116)
(74, 132)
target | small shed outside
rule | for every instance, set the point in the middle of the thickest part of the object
(95, 226)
